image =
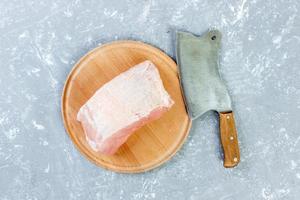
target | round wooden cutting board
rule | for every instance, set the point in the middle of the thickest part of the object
(151, 145)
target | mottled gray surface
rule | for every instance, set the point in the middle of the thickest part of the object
(41, 40)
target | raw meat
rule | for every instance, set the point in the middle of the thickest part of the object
(123, 105)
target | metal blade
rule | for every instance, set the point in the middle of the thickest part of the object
(198, 61)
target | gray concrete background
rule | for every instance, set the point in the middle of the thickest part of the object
(41, 40)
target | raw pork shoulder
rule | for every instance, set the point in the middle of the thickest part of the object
(121, 106)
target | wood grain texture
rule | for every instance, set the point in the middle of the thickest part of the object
(151, 145)
(229, 139)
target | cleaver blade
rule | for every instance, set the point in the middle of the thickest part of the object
(203, 88)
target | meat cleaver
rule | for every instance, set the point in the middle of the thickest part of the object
(203, 88)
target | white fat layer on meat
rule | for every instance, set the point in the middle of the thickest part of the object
(92, 144)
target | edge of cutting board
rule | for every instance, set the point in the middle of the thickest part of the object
(99, 159)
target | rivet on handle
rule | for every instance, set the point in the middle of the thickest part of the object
(235, 159)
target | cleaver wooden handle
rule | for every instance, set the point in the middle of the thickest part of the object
(229, 139)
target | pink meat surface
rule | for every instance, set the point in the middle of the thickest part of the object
(121, 106)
